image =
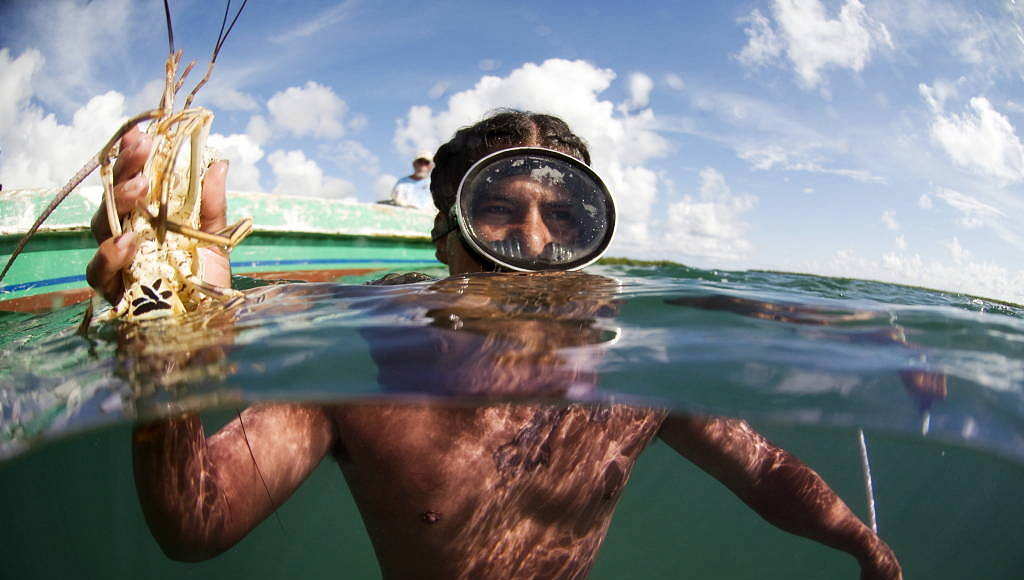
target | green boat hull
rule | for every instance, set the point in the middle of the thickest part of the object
(294, 238)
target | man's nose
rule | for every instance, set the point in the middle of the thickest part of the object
(534, 233)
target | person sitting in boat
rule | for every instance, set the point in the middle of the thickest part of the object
(414, 190)
(495, 490)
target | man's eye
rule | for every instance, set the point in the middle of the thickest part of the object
(496, 210)
(560, 215)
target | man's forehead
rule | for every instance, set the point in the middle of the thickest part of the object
(526, 187)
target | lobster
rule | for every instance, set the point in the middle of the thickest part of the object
(165, 277)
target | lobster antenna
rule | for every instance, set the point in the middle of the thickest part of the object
(221, 37)
(170, 28)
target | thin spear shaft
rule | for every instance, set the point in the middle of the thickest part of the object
(869, 489)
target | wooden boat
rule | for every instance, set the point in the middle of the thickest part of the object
(294, 238)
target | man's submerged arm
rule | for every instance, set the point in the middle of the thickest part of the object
(778, 486)
(202, 495)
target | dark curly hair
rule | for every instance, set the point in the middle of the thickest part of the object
(501, 129)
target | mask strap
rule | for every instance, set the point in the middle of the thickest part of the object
(453, 226)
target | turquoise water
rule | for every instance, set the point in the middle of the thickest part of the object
(934, 379)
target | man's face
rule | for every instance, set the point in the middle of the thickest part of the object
(532, 211)
(533, 216)
(422, 166)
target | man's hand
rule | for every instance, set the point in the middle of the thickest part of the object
(130, 187)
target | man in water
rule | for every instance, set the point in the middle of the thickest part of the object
(445, 491)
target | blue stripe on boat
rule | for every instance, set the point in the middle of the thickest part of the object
(252, 264)
(323, 261)
(41, 283)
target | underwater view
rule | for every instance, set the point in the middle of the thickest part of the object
(530, 290)
(933, 379)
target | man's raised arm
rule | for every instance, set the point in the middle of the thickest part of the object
(202, 495)
(779, 487)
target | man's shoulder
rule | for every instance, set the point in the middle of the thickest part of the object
(414, 182)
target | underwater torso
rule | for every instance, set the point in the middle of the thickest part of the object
(499, 491)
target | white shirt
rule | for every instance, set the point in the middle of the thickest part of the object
(411, 192)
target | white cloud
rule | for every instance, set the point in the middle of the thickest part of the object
(297, 175)
(353, 156)
(982, 141)
(383, 185)
(973, 212)
(811, 40)
(855, 174)
(244, 153)
(674, 82)
(437, 90)
(988, 40)
(324, 19)
(640, 86)
(938, 93)
(710, 225)
(147, 98)
(358, 122)
(29, 157)
(1014, 106)
(889, 219)
(620, 143)
(971, 47)
(74, 36)
(924, 202)
(768, 137)
(258, 129)
(956, 251)
(763, 45)
(226, 98)
(311, 110)
(16, 83)
(763, 158)
(901, 242)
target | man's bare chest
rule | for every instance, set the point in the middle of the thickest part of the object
(452, 462)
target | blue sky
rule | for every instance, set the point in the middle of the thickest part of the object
(876, 139)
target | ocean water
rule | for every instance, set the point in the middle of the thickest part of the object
(933, 379)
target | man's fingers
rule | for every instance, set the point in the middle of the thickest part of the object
(213, 211)
(129, 183)
(135, 146)
(126, 196)
(128, 193)
(104, 271)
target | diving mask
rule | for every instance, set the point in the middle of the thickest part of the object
(532, 209)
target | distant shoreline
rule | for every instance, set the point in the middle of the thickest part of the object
(613, 261)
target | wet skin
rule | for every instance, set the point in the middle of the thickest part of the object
(491, 491)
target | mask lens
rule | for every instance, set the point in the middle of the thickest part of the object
(535, 209)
